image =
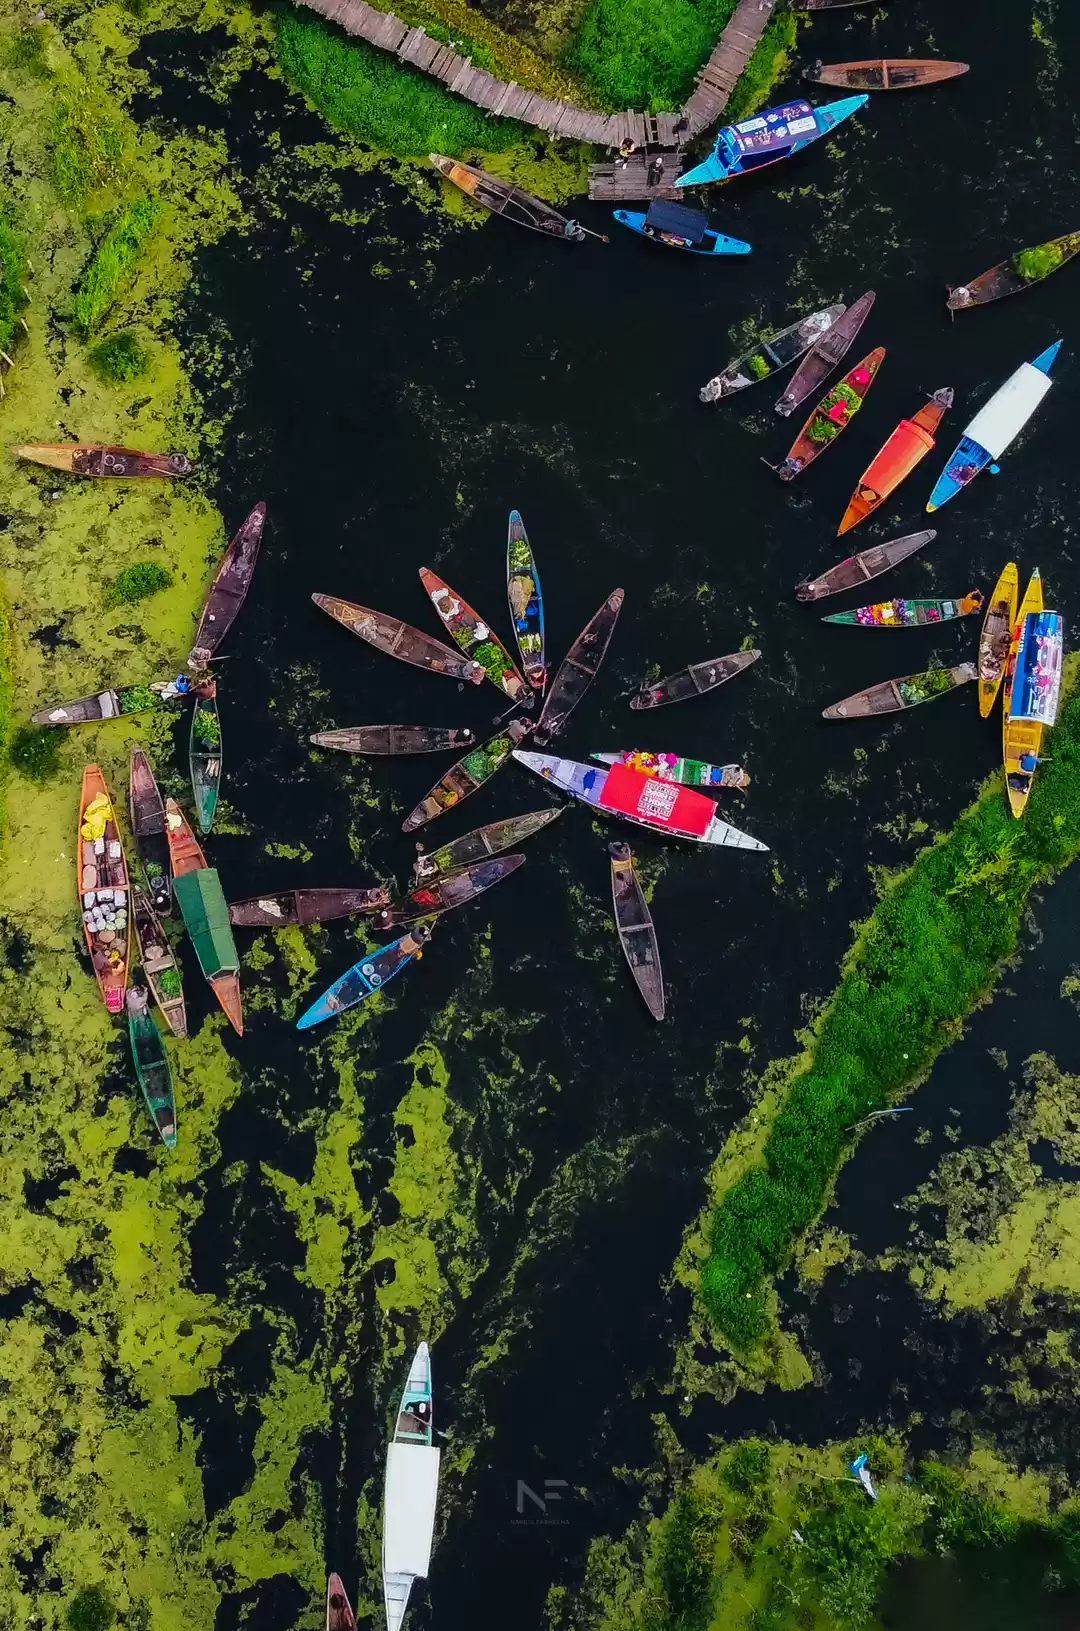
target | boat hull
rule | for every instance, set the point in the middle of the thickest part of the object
(393, 740)
(229, 588)
(849, 394)
(98, 460)
(448, 890)
(339, 1612)
(466, 776)
(512, 203)
(908, 445)
(1018, 736)
(158, 963)
(370, 974)
(103, 888)
(204, 755)
(579, 668)
(996, 425)
(908, 614)
(397, 639)
(300, 907)
(996, 636)
(720, 244)
(826, 355)
(670, 767)
(892, 696)
(729, 157)
(885, 73)
(772, 355)
(121, 704)
(153, 1072)
(1005, 278)
(859, 569)
(146, 814)
(526, 602)
(476, 638)
(637, 935)
(484, 841)
(694, 681)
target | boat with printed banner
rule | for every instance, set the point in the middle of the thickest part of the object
(97, 459)
(119, 704)
(637, 935)
(671, 767)
(526, 601)
(400, 640)
(229, 588)
(771, 355)
(199, 895)
(833, 414)
(579, 668)
(484, 841)
(339, 1611)
(694, 681)
(102, 878)
(297, 908)
(996, 425)
(146, 813)
(826, 355)
(884, 73)
(501, 197)
(893, 695)
(411, 1491)
(859, 569)
(660, 806)
(678, 227)
(447, 890)
(1020, 271)
(467, 775)
(908, 614)
(476, 638)
(151, 1065)
(159, 965)
(908, 445)
(393, 739)
(996, 637)
(1032, 692)
(1029, 605)
(369, 974)
(204, 753)
(764, 138)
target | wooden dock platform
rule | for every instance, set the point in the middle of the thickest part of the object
(619, 183)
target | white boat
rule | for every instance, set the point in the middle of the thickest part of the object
(412, 1485)
(996, 425)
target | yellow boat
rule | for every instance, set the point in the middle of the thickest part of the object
(996, 637)
(1019, 735)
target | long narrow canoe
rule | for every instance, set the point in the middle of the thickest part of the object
(1033, 703)
(996, 637)
(526, 602)
(1020, 271)
(476, 638)
(229, 588)
(366, 976)
(159, 965)
(132, 699)
(766, 137)
(204, 753)
(670, 767)
(393, 739)
(205, 914)
(146, 810)
(771, 355)
(299, 907)
(1029, 606)
(102, 878)
(694, 681)
(827, 354)
(909, 443)
(908, 614)
(636, 932)
(892, 695)
(466, 776)
(884, 73)
(398, 639)
(660, 806)
(151, 1065)
(997, 424)
(441, 894)
(501, 197)
(579, 668)
(833, 414)
(339, 1613)
(484, 841)
(97, 459)
(831, 5)
(859, 569)
(411, 1491)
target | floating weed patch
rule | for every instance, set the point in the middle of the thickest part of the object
(119, 359)
(13, 274)
(35, 753)
(113, 261)
(136, 582)
(88, 149)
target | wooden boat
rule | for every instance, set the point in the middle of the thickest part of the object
(636, 932)
(526, 602)
(159, 965)
(503, 198)
(827, 354)
(909, 443)
(484, 841)
(892, 695)
(366, 976)
(1031, 604)
(300, 907)
(1033, 702)
(770, 355)
(197, 888)
(694, 681)
(151, 1065)
(398, 639)
(411, 1491)
(995, 426)
(146, 812)
(97, 459)
(132, 699)
(466, 776)
(996, 637)
(776, 133)
(102, 878)
(1020, 271)
(339, 1613)
(831, 5)
(908, 614)
(833, 414)
(393, 739)
(476, 638)
(229, 588)
(204, 753)
(579, 668)
(679, 228)
(884, 73)
(670, 767)
(859, 569)
(621, 791)
(449, 889)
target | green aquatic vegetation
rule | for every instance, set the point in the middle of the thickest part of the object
(91, 1610)
(119, 359)
(35, 752)
(13, 275)
(136, 582)
(113, 262)
(1039, 262)
(26, 51)
(88, 148)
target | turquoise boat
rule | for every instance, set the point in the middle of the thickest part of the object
(680, 228)
(151, 1065)
(366, 976)
(775, 134)
(996, 426)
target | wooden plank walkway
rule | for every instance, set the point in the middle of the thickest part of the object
(716, 81)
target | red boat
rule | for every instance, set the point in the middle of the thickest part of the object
(910, 442)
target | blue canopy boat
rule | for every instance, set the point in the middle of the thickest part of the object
(680, 228)
(775, 134)
(997, 424)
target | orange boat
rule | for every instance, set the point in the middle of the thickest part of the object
(910, 442)
(202, 904)
(102, 875)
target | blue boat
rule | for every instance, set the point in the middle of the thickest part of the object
(680, 228)
(366, 976)
(995, 425)
(775, 134)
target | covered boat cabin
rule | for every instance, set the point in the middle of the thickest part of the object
(678, 225)
(766, 136)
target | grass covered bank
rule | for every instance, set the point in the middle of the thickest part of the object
(932, 947)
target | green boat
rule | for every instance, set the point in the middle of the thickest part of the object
(908, 614)
(669, 767)
(151, 1064)
(204, 753)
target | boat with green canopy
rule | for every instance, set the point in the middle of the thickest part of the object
(151, 1064)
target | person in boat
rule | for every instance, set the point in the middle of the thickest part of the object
(960, 296)
(574, 230)
(179, 687)
(791, 465)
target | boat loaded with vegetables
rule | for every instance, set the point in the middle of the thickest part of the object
(159, 965)
(132, 699)
(466, 776)
(1026, 267)
(771, 355)
(146, 811)
(400, 640)
(476, 638)
(908, 614)
(482, 842)
(893, 695)
(833, 414)
(526, 602)
(204, 753)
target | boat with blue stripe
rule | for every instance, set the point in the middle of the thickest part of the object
(365, 977)
(680, 228)
(996, 425)
(775, 134)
